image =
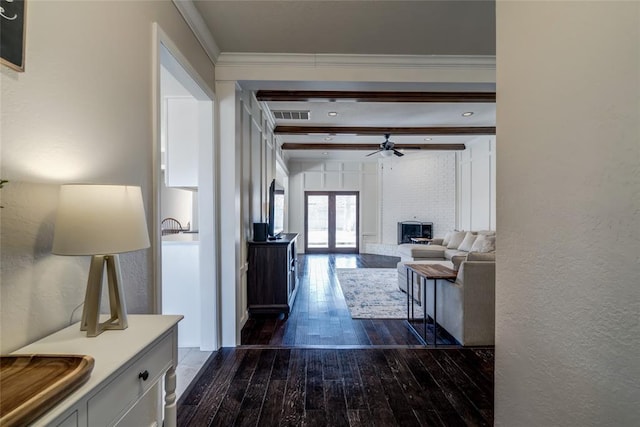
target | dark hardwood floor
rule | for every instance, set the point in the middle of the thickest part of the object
(322, 368)
(342, 387)
(320, 315)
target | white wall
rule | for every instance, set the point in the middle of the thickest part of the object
(230, 264)
(248, 164)
(476, 185)
(318, 175)
(81, 112)
(568, 271)
(418, 187)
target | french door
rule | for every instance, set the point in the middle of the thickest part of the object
(331, 221)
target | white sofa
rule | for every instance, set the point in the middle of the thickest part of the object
(449, 248)
(466, 307)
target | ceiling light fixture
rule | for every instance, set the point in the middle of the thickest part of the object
(332, 113)
(328, 138)
(325, 153)
(467, 114)
(427, 139)
(386, 153)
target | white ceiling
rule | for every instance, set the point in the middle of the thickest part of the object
(389, 114)
(431, 27)
(361, 27)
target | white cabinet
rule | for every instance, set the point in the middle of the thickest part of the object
(182, 142)
(129, 366)
(181, 284)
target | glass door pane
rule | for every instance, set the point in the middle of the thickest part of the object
(318, 221)
(346, 218)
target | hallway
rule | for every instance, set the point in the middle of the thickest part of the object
(320, 315)
(320, 367)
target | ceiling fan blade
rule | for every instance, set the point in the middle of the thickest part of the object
(398, 153)
(375, 152)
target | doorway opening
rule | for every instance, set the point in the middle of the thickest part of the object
(185, 191)
(331, 221)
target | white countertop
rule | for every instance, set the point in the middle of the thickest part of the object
(181, 238)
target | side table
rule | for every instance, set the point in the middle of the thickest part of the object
(424, 272)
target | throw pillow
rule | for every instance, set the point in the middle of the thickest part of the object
(456, 238)
(466, 244)
(484, 244)
(445, 241)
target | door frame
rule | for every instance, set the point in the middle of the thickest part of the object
(209, 241)
(332, 223)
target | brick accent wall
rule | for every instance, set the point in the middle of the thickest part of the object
(420, 187)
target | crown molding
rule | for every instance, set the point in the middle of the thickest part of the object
(199, 28)
(241, 59)
(333, 60)
(365, 68)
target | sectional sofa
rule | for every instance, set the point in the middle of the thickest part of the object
(466, 307)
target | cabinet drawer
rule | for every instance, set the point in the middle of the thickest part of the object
(110, 403)
(70, 421)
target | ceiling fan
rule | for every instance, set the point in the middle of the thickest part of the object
(386, 148)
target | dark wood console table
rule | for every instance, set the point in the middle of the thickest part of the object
(425, 272)
(272, 275)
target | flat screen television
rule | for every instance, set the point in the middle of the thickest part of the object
(276, 209)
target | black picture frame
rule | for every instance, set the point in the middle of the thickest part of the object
(12, 33)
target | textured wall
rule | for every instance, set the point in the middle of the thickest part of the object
(568, 270)
(81, 112)
(418, 187)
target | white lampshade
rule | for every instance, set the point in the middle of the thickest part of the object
(100, 219)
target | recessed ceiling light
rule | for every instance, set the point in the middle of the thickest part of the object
(427, 139)
(328, 138)
(467, 114)
(325, 153)
(333, 113)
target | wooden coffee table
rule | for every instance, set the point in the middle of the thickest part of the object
(424, 272)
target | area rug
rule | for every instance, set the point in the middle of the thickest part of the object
(372, 293)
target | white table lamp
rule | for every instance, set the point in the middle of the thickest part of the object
(101, 221)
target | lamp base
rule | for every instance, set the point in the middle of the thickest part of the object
(91, 311)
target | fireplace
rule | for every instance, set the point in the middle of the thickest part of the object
(409, 229)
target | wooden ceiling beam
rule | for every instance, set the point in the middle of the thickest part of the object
(384, 96)
(368, 147)
(394, 131)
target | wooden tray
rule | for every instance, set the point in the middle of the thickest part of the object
(30, 384)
